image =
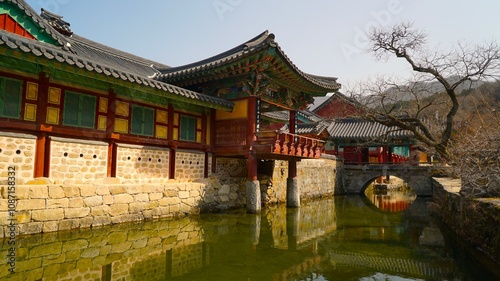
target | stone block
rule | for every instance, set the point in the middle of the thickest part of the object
(71, 191)
(123, 198)
(170, 193)
(102, 190)
(101, 220)
(47, 215)
(37, 191)
(136, 207)
(118, 209)
(39, 181)
(30, 228)
(71, 213)
(99, 210)
(56, 192)
(155, 196)
(93, 201)
(117, 189)
(183, 194)
(30, 204)
(126, 218)
(50, 226)
(87, 190)
(23, 216)
(107, 199)
(22, 192)
(76, 202)
(141, 197)
(57, 203)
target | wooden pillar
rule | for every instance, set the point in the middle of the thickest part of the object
(42, 153)
(252, 120)
(205, 167)
(171, 163)
(112, 145)
(112, 158)
(40, 156)
(389, 154)
(292, 187)
(43, 95)
(172, 147)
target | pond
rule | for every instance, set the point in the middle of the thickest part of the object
(342, 238)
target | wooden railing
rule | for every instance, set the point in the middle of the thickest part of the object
(276, 142)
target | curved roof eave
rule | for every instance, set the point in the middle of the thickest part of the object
(254, 45)
(53, 53)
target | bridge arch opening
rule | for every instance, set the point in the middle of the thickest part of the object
(389, 193)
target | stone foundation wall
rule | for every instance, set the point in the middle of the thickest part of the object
(77, 161)
(18, 150)
(142, 164)
(316, 178)
(475, 220)
(47, 208)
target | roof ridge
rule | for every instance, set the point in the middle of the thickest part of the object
(116, 52)
(259, 39)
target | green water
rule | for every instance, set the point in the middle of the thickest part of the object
(345, 238)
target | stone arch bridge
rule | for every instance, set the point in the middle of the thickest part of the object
(358, 177)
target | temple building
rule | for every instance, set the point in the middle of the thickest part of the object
(74, 111)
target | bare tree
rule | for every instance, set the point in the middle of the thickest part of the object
(416, 105)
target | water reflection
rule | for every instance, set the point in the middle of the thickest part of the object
(345, 238)
(390, 195)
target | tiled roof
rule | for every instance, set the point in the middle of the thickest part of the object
(314, 128)
(91, 56)
(47, 28)
(256, 44)
(56, 22)
(364, 130)
(284, 115)
(321, 102)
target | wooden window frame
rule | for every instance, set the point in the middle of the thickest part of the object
(80, 110)
(191, 131)
(141, 131)
(3, 92)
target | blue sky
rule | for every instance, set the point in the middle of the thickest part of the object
(322, 37)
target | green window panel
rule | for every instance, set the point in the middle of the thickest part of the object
(79, 110)
(10, 97)
(142, 121)
(187, 128)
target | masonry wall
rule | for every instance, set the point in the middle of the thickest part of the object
(142, 164)
(316, 178)
(189, 165)
(77, 161)
(18, 150)
(475, 220)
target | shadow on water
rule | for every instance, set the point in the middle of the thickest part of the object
(345, 238)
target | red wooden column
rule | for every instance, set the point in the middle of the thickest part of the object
(42, 155)
(251, 127)
(252, 186)
(172, 147)
(212, 140)
(292, 164)
(292, 186)
(110, 123)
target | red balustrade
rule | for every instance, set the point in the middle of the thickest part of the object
(288, 144)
